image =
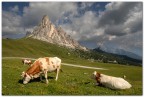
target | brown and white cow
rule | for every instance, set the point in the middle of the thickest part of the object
(111, 81)
(26, 61)
(42, 66)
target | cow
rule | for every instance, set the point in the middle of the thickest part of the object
(26, 61)
(110, 81)
(42, 66)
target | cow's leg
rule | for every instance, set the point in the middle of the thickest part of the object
(45, 73)
(40, 77)
(23, 62)
(57, 71)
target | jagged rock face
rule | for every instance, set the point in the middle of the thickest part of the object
(46, 31)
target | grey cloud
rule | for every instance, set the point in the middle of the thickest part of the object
(117, 15)
(11, 23)
(122, 18)
(131, 42)
(115, 30)
(136, 25)
(10, 19)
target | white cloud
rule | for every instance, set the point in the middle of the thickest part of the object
(85, 26)
(11, 23)
(113, 5)
(84, 5)
(15, 9)
(54, 10)
(32, 15)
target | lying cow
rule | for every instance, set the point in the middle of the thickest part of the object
(27, 61)
(110, 81)
(42, 66)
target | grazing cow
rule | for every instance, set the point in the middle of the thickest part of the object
(27, 61)
(42, 66)
(110, 81)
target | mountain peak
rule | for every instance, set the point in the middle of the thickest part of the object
(45, 21)
(46, 31)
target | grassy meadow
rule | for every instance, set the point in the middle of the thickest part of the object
(72, 81)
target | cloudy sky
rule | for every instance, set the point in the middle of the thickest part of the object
(110, 25)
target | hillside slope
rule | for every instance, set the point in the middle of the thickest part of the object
(35, 49)
(28, 47)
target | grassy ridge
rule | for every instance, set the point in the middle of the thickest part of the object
(73, 81)
(35, 49)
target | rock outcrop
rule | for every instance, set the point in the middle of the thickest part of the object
(46, 31)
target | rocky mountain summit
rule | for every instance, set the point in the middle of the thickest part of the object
(46, 31)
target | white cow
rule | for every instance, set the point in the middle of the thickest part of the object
(110, 81)
(42, 66)
(26, 61)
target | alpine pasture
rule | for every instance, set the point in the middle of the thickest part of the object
(72, 81)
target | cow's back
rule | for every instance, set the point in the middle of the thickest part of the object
(58, 60)
(50, 63)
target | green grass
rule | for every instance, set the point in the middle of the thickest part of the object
(72, 81)
(35, 49)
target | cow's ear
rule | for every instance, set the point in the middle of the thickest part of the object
(98, 74)
(94, 73)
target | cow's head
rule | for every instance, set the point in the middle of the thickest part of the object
(26, 78)
(95, 75)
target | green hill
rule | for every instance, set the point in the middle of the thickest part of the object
(35, 49)
(27, 47)
(72, 81)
